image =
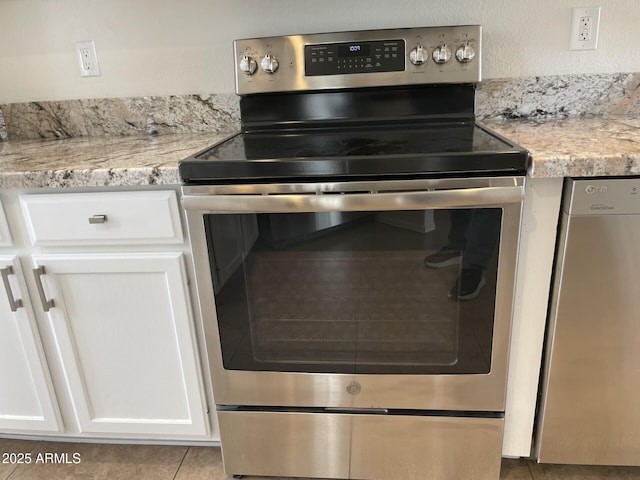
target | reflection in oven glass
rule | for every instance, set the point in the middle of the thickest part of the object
(348, 293)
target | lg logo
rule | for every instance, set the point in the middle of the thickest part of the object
(592, 189)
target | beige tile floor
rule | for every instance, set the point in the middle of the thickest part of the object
(144, 462)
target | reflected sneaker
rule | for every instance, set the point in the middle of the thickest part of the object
(443, 258)
(468, 284)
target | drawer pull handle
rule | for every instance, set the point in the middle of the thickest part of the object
(98, 219)
(46, 304)
(13, 303)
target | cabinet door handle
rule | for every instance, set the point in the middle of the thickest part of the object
(13, 303)
(46, 304)
(97, 219)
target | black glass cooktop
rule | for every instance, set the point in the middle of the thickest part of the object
(415, 149)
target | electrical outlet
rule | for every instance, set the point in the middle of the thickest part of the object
(584, 28)
(585, 24)
(87, 58)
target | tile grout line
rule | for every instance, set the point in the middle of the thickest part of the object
(35, 445)
(11, 472)
(175, 475)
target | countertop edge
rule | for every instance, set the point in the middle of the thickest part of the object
(576, 147)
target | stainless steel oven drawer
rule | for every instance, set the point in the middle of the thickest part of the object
(285, 444)
(360, 446)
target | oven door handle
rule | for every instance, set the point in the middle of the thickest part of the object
(341, 202)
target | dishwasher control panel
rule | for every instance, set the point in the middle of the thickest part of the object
(602, 196)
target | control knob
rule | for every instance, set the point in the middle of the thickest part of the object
(248, 65)
(269, 63)
(442, 53)
(418, 55)
(465, 53)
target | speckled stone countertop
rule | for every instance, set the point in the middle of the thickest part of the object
(559, 148)
(98, 161)
(577, 147)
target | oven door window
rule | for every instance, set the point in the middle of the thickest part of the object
(401, 292)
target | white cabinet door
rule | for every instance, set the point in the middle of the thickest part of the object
(26, 394)
(5, 234)
(123, 330)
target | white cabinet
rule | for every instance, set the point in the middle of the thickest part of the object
(104, 344)
(27, 401)
(103, 218)
(5, 234)
(122, 326)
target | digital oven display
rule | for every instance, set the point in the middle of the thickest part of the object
(354, 50)
(354, 57)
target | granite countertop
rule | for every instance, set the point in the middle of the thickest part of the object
(580, 147)
(568, 147)
(98, 161)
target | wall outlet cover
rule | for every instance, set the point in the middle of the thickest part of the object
(88, 59)
(585, 26)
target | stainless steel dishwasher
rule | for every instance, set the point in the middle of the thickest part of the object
(590, 409)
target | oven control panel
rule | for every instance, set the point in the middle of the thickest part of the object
(354, 57)
(369, 58)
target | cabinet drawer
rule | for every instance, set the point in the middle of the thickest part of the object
(102, 218)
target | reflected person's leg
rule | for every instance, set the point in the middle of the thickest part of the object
(482, 237)
(451, 253)
(461, 219)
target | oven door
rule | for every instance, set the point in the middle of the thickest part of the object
(338, 295)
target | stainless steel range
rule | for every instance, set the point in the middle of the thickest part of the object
(354, 248)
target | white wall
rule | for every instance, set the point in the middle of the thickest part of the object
(160, 47)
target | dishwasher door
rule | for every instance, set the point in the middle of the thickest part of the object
(590, 409)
